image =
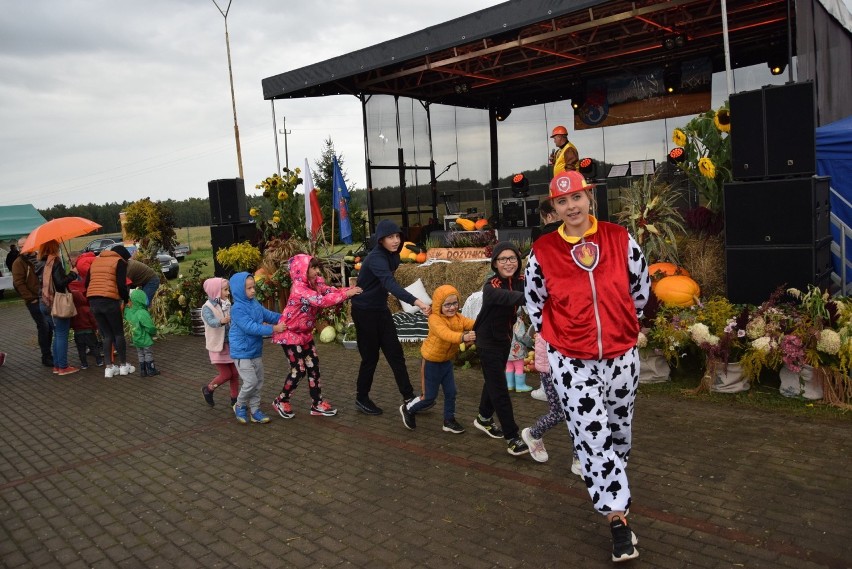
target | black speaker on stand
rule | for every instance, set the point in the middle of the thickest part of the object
(227, 201)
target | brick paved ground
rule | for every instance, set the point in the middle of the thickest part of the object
(132, 472)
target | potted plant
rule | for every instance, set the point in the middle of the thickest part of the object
(239, 257)
(350, 341)
(650, 215)
(719, 330)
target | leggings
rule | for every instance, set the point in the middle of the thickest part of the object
(554, 416)
(304, 361)
(227, 372)
(107, 313)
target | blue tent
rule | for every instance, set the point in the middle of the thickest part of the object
(834, 158)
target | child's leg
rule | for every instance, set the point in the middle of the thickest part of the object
(448, 384)
(510, 375)
(296, 357)
(80, 341)
(149, 361)
(234, 380)
(311, 359)
(554, 416)
(251, 372)
(226, 372)
(433, 374)
(520, 377)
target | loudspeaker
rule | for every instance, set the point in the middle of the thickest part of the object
(602, 199)
(773, 132)
(512, 213)
(227, 201)
(748, 150)
(753, 273)
(790, 129)
(519, 235)
(223, 236)
(777, 212)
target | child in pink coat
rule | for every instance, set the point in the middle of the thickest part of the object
(216, 314)
(309, 294)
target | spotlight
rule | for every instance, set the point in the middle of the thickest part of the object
(671, 79)
(461, 88)
(502, 111)
(520, 186)
(674, 42)
(777, 64)
(676, 156)
(589, 168)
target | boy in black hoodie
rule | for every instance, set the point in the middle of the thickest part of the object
(373, 323)
(502, 294)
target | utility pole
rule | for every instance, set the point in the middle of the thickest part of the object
(285, 132)
(231, 77)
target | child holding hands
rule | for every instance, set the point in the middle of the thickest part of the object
(447, 330)
(250, 322)
(216, 314)
(308, 295)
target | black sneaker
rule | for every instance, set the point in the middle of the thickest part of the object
(407, 417)
(208, 396)
(623, 541)
(517, 447)
(452, 426)
(367, 407)
(488, 427)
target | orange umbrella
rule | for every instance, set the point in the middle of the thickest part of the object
(58, 229)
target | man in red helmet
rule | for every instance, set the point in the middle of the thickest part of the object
(565, 156)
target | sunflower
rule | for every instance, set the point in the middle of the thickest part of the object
(722, 120)
(707, 168)
(253, 212)
(282, 195)
(276, 219)
(679, 137)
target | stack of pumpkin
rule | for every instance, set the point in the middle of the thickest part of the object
(412, 253)
(470, 225)
(672, 285)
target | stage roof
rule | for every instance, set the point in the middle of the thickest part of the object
(526, 52)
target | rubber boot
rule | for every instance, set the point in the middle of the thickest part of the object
(521, 383)
(510, 380)
(152, 371)
(143, 369)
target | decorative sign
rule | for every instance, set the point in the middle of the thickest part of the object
(458, 253)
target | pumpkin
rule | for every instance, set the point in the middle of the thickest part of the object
(657, 271)
(481, 224)
(358, 266)
(465, 224)
(409, 251)
(421, 257)
(261, 275)
(677, 290)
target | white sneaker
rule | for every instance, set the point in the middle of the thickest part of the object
(576, 467)
(110, 371)
(539, 393)
(126, 369)
(536, 446)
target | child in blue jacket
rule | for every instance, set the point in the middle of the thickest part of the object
(250, 322)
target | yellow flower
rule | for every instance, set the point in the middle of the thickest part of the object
(276, 219)
(707, 168)
(276, 213)
(253, 212)
(298, 171)
(679, 137)
(722, 120)
(282, 195)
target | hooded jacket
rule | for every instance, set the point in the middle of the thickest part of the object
(306, 301)
(212, 313)
(25, 278)
(142, 327)
(250, 321)
(84, 320)
(445, 332)
(376, 275)
(501, 298)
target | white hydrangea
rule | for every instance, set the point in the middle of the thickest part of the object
(756, 327)
(763, 344)
(642, 340)
(829, 342)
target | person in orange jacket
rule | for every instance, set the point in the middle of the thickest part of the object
(448, 329)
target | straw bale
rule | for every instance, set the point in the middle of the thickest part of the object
(466, 277)
(704, 258)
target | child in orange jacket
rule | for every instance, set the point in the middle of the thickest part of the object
(447, 330)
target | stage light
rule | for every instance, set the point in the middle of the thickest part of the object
(589, 168)
(674, 42)
(671, 79)
(502, 111)
(520, 186)
(461, 88)
(777, 64)
(676, 156)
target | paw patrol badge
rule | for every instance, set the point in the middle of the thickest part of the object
(586, 255)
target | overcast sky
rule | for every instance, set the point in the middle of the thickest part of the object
(109, 100)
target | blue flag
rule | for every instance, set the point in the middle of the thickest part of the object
(340, 201)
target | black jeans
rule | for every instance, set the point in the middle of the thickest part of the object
(495, 393)
(376, 331)
(45, 331)
(107, 313)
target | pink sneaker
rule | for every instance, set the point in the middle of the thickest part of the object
(68, 370)
(323, 408)
(284, 409)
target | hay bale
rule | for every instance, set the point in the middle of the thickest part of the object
(466, 277)
(704, 258)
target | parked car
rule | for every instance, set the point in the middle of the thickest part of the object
(180, 252)
(101, 243)
(168, 264)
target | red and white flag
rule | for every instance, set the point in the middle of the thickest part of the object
(313, 215)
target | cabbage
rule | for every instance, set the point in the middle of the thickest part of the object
(328, 334)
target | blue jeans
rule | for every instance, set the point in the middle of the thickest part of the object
(435, 375)
(150, 288)
(60, 326)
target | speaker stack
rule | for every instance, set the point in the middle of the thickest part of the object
(229, 216)
(777, 227)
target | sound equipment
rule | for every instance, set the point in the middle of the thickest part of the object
(227, 201)
(777, 212)
(520, 212)
(223, 236)
(518, 235)
(773, 132)
(602, 200)
(753, 273)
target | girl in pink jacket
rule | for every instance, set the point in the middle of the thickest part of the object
(309, 294)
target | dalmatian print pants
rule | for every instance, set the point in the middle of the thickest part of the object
(598, 397)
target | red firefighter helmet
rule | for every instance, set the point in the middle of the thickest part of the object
(559, 130)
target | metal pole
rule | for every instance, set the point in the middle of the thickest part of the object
(285, 132)
(729, 75)
(231, 77)
(275, 132)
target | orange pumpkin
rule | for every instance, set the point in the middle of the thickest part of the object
(261, 275)
(481, 224)
(657, 271)
(421, 257)
(677, 290)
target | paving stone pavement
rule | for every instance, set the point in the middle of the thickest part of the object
(136, 472)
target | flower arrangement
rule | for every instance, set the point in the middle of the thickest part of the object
(706, 161)
(281, 214)
(172, 306)
(650, 214)
(239, 257)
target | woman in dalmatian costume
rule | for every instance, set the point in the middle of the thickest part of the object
(586, 285)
